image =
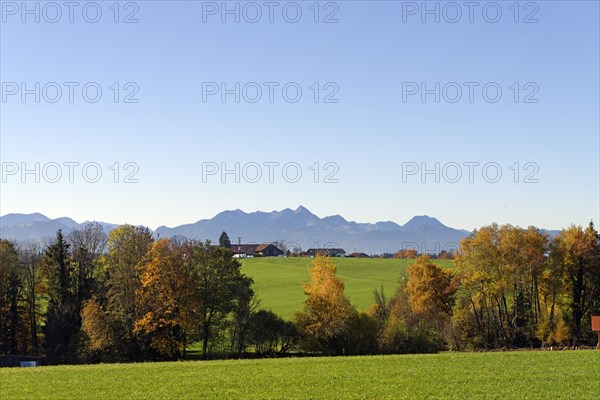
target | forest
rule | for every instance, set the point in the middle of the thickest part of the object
(89, 297)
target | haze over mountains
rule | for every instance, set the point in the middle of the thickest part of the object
(297, 227)
(37, 227)
(305, 229)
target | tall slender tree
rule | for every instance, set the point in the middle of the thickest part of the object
(10, 293)
(62, 315)
(30, 255)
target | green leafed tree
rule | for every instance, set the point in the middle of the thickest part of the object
(221, 288)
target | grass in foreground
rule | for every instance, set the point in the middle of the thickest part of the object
(277, 281)
(511, 375)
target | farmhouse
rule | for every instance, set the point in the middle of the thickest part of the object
(359, 255)
(326, 252)
(265, 249)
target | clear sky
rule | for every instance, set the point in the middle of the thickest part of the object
(374, 68)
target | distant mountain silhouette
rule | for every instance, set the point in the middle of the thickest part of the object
(303, 228)
(297, 227)
(38, 228)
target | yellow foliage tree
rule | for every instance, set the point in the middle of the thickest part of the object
(96, 325)
(429, 287)
(167, 296)
(326, 309)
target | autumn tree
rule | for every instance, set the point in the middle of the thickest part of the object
(430, 287)
(99, 327)
(502, 272)
(431, 291)
(577, 251)
(523, 255)
(404, 331)
(552, 326)
(327, 310)
(115, 304)
(406, 254)
(168, 298)
(446, 254)
(482, 313)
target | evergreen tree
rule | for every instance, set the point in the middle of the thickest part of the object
(224, 240)
(10, 293)
(62, 318)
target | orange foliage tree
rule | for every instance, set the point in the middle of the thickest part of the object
(327, 310)
(430, 287)
(167, 297)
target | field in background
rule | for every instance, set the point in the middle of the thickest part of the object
(511, 375)
(277, 281)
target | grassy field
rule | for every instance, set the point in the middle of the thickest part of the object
(277, 281)
(512, 375)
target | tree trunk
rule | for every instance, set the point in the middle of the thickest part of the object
(206, 332)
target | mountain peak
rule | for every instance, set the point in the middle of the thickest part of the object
(421, 221)
(14, 219)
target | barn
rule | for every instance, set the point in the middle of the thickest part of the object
(265, 250)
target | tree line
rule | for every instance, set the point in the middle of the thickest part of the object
(126, 296)
(92, 297)
(510, 288)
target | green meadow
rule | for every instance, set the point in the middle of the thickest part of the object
(278, 281)
(511, 375)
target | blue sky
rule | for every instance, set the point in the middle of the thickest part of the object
(376, 131)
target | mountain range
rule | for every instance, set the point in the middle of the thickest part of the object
(37, 227)
(296, 228)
